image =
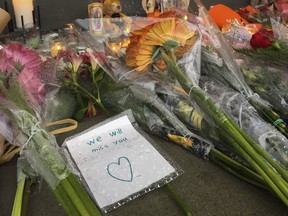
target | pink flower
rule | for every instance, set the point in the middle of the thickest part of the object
(27, 58)
(28, 65)
(32, 84)
(93, 61)
(71, 57)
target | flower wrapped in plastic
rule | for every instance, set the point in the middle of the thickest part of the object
(25, 128)
(169, 47)
(256, 46)
(141, 92)
(219, 64)
(268, 45)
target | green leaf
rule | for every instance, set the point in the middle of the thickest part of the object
(99, 75)
(80, 114)
(15, 93)
(80, 100)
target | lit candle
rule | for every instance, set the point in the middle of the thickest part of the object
(115, 46)
(56, 48)
(23, 8)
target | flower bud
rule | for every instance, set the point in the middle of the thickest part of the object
(260, 41)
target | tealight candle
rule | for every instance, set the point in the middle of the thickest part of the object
(23, 8)
(56, 48)
(115, 46)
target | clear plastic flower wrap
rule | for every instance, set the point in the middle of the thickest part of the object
(158, 48)
(153, 116)
(219, 63)
(25, 128)
(153, 109)
(239, 109)
(268, 81)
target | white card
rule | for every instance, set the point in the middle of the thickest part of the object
(117, 161)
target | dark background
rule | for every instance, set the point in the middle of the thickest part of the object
(56, 13)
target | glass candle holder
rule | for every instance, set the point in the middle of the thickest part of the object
(56, 47)
(115, 46)
(32, 37)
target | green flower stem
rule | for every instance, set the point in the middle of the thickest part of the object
(232, 166)
(65, 201)
(180, 202)
(17, 206)
(263, 153)
(244, 145)
(96, 100)
(74, 197)
(26, 196)
(67, 194)
(243, 177)
(270, 116)
(93, 210)
(273, 179)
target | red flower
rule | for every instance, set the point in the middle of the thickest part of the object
(258, 40)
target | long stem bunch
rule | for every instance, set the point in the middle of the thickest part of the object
(41, 152)
(274, 175)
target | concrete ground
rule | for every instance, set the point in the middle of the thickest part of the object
(207, 189)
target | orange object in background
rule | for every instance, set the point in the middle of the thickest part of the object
(251, 9)
(154, 14)
(221, 13)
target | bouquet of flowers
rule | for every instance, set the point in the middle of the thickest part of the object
(268, 48)
(81, 74)
(256, 48)
(260, 14)
(263, 13)
(218, 63)
(167, 47)
(21, 91)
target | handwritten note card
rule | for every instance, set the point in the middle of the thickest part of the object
(117, 161)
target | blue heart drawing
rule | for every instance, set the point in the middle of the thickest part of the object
(115, 170)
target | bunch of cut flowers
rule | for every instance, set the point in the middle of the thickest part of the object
(81, 75)
(254, 50)
(150, 111)
(166, 49)
(218, 63)
(262, 13)
(22, 92)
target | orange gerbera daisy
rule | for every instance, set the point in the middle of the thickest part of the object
(168, 33)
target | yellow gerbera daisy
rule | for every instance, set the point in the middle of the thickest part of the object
(167, 33)
(171, 31)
